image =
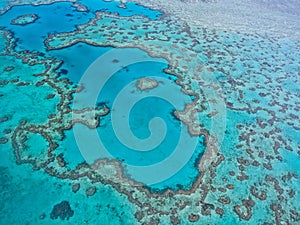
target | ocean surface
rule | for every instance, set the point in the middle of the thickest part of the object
(138, 113)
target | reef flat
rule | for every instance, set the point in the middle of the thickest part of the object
(146, 83)
(24, 19)
(244, 91)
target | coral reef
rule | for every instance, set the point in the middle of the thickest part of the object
(62, 210)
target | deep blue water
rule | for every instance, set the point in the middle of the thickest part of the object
(131, 8)
(26, 195)
(58, 17)
(140, 115)
(76, 59)
(61, 17)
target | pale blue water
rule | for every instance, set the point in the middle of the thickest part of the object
(140, 115)
(61, 17)
(131, 8)
(76, 60)
(26, 195)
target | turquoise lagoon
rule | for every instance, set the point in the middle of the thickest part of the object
(76, 60)
(28, 196)
(21, 188)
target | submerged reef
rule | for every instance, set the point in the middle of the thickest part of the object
(24, 19)
(246, 173)
(146, 84)
(62, 210)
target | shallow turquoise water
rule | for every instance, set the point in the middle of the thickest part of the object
(140, 115)
(61, 17)
(131, 8)
(36, 192)
(25, 196)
